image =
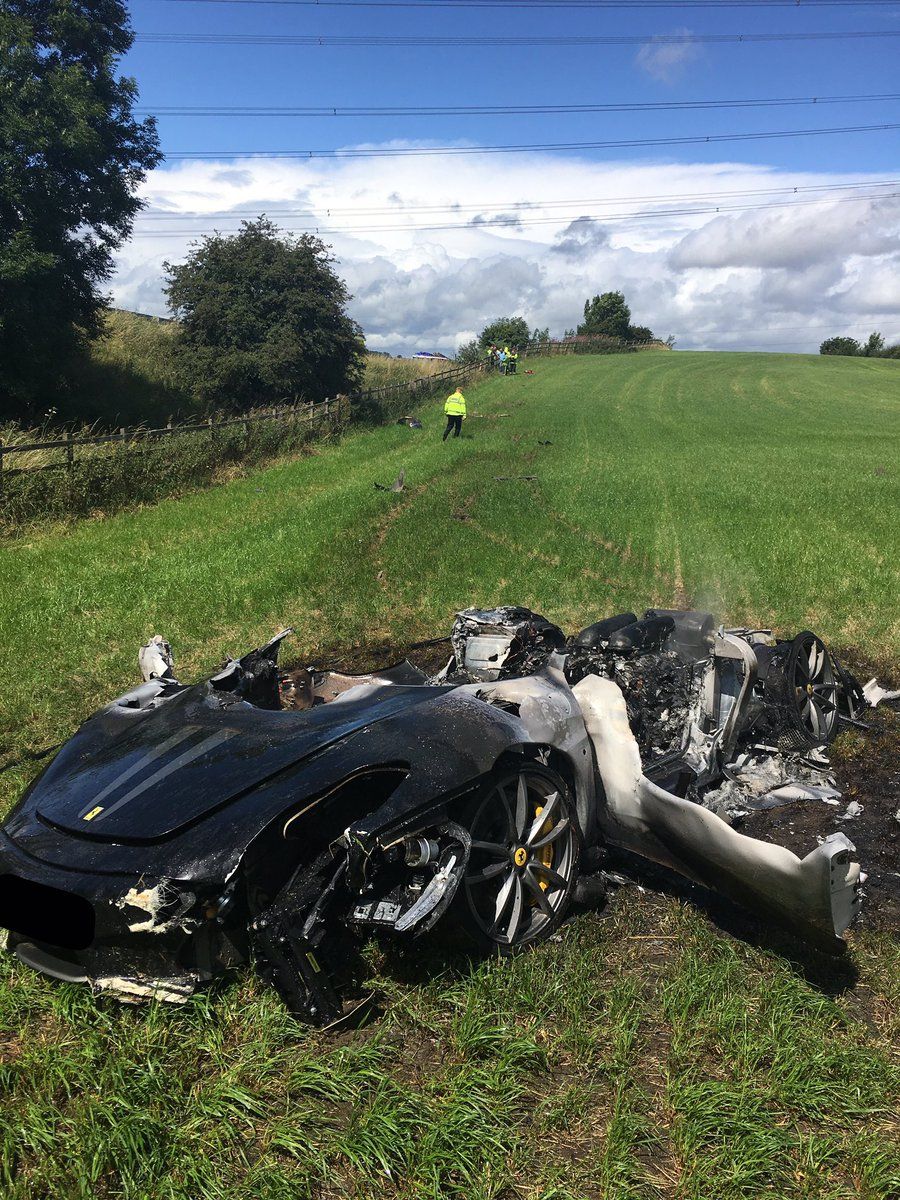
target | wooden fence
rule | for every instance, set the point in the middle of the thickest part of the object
(417, 389)
(63, 451)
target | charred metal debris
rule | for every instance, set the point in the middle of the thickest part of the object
(288, 817)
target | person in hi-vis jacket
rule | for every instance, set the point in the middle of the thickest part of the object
(455, 412)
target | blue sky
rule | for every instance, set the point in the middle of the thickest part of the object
(539, 275)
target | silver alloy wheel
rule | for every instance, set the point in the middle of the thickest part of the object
(815, 688)
(524, 857)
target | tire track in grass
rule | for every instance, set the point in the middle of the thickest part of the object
(383, 527)
(624, 554)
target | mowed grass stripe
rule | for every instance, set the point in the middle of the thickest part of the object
(647, 1054)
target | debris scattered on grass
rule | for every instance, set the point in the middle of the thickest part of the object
(396, 486)
(875, 694)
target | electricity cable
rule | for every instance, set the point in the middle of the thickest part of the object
(533, 206)
(662, 39)
(708, 5)
(539, 147)
(516, 222)
(473, 110)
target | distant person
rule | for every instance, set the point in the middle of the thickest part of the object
(501, 361)
(513, 361)
(492, 357)
(455, 412)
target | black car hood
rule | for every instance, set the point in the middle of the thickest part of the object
(145, 776)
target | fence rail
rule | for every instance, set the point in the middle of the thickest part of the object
(416, 387)
(333, 413)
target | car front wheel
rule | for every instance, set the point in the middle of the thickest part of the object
(524, 861)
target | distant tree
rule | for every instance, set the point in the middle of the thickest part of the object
(263, 319)
(606, 314)
(541, 335)
(841, 345)
(469, 352)
(874, 347)
(639, 333)
(505, 331)
(71, 157)
(891, 351)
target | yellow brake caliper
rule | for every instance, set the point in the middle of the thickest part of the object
(545, 854)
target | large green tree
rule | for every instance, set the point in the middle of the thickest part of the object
(606, 314)
(71, 157)
(263, 319)
(505, 331)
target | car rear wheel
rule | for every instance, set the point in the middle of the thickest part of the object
(801, 681)
(524, 861)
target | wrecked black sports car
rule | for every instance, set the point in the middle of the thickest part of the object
(288, 817)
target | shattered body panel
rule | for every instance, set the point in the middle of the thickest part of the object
(185, 829)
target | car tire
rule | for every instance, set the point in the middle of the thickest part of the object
(523, 869)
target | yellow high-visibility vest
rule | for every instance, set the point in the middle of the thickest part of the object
(455, 405)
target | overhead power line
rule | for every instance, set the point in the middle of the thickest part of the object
(517, 222)
(710, 5)
(532, 207)
(481, 110)
(619, 144)
(668, 39)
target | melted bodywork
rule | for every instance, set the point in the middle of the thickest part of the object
(288, 817)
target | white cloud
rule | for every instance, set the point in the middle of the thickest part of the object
(668, 61)
(781, 277)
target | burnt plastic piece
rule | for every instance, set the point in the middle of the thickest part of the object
(692, 636)
(287, 940)
(597, 636)
(647, 634)
(292, 966)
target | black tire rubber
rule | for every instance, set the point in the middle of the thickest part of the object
(540, 869)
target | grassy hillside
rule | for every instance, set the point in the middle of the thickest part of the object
(130, 377)
(649, 1054)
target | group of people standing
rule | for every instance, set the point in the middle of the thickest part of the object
(503, 359)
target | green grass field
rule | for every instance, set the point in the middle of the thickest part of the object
(649, 1053)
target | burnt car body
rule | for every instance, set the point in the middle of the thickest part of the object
(185, 829)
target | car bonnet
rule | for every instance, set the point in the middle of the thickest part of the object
(179, 763)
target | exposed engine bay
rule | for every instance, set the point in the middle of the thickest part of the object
(288, 816)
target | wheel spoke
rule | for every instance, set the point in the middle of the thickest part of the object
(503, 898)
(818, 718)
(802, 670)
(555, 833)
(538, 892)
(521, 807)
(553, 878)
(495, 849)
(510, 819)
(815, 660)
(546, 814)
(488, 873)
(515, 916)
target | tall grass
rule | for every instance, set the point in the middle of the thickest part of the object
(382, 371)
(117, 474)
